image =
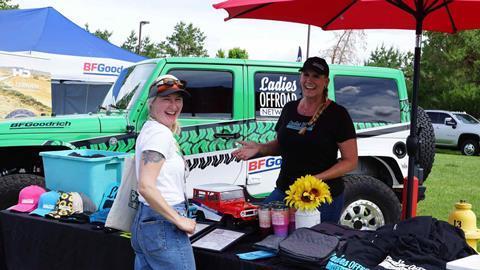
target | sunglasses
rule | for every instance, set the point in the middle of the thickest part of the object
(171, 82)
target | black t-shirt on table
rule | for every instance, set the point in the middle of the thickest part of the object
(316, 150)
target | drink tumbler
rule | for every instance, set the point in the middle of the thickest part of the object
(280, 215)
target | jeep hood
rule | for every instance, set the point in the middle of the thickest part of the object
(66, 128)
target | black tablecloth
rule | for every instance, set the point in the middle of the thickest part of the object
(31, 242)
(37, 243)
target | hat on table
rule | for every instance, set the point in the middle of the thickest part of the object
(89, 206)
(46, 203)
(67, 204)
(28, 199)
(85, 207)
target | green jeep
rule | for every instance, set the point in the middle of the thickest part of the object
(236, 100)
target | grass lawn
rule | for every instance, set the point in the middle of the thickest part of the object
(454, 177)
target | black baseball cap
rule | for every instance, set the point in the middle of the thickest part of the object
(317, 64)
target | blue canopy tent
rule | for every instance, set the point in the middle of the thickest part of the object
(43, 39)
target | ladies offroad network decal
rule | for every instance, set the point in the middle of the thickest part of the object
(273, 91)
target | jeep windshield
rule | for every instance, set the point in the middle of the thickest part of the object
(124, 92)
(232, 195)
(466, 118)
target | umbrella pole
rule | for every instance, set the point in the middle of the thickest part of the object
(308, 41)
(412, 140)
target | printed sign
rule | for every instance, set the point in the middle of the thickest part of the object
(24, 92)
(101, 69)
(264, 164)
(273, 91)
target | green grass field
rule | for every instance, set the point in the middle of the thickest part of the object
(453, 178)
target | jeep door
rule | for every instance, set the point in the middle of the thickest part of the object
(270, 88)
(211, 121)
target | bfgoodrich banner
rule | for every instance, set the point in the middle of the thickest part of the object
(24, 92)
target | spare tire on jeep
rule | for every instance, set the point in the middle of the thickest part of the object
(426, 136)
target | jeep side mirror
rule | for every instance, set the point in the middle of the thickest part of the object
(450, 122)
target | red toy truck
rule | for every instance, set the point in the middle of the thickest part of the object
(223, 202)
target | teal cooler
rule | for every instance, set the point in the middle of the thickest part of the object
(90, 175)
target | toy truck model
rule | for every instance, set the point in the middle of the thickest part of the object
(217, 201)
(233, 100)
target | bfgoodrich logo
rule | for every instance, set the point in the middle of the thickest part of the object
(51, 124)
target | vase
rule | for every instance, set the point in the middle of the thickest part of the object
(307, 218)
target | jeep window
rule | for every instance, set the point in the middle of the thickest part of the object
(213, 197)
(211, 93)
(231, 195)
(124, 92)
(273, 90)
(199, 194)
(368, 99)
(466, 118)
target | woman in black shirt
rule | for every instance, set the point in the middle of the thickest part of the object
(310, 131)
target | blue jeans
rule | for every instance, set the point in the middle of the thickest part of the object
(329, 212)
(158, 244)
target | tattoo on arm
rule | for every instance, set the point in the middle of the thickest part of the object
(151, 156)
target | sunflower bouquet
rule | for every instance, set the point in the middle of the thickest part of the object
(307, 193)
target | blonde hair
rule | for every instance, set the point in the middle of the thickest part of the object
(175, 127)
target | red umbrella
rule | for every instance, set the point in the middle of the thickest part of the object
(433, 15)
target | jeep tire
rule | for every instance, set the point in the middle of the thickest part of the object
(469, 147)
(426, 137)
(10, 186)
(369, 203)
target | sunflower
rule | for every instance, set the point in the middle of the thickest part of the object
(307, 193)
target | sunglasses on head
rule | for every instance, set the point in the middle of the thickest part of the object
(171, 82)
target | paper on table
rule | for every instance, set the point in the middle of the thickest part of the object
(217, 239)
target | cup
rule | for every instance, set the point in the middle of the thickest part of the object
(264, 219)
(291, 219)
(280, 213)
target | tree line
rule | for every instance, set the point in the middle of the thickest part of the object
(186, 40)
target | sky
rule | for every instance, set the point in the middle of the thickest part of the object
(263, 40)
